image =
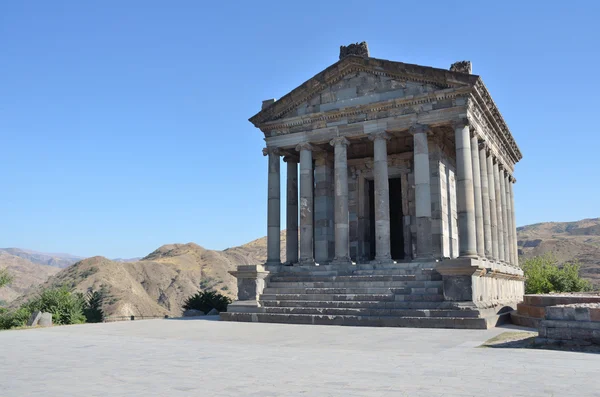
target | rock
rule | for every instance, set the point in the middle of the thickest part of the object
(34, 319)
(45, 320)
(193, 313)
(213, 312)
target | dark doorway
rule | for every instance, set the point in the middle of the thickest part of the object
(396, 219)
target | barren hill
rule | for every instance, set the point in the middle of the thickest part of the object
(160, 282)
(43, 258)
(567, 241)
(26, 274)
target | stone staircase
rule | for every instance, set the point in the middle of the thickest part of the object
(389, 295)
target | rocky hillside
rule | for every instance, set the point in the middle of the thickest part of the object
(567, 241)
(25, 273)
(160, 282)
(42, 258)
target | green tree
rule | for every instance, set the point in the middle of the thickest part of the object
(92, 309)
(207, 300)
(544, 275)
(66, 307)
(5, 277)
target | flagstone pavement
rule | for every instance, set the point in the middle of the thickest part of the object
(206, 357)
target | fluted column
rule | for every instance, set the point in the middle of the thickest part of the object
(341, 216)
(273, 208)
(493, 209)
(381, 197)
(499, 212)
(512, 206)
(478, 197)
(291, 233)
(464, 191)
(509, 219)
(306, 204)
(504, 215)
(485, 201)
(422, 191)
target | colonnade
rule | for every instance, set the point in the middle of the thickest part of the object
(485, 201)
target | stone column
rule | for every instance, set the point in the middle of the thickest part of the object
(498, 192)
(381, 197)
(512, 207)
(422, 191)
(509, 219)
(291, 234)
(493, 209)
(464, 191)
(273, 208)
(342, 218)
(478, 196)
(504, 214)
(306, 204)
(485, 201)
(324, 208)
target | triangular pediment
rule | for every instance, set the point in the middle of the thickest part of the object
(355, 81)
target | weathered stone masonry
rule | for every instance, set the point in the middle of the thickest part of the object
(399, 164)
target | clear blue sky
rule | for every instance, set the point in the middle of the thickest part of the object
(123, 124)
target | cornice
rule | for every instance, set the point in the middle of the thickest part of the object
(374, 107)
(485, 100)
(352, 64)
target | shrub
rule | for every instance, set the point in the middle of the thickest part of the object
(5, 277)
(66, 307)
(16, 318)
(206, 301)
(544, 275)
(93, 307)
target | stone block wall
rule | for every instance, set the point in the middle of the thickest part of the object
(577, 323)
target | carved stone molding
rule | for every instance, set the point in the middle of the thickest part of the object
(305, 146)
(461, 67)
(271, 150)
(360, 49)
(380, 135)
(340, 140)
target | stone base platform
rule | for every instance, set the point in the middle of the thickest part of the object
(532, 310)
(577, 324)
(377, 295)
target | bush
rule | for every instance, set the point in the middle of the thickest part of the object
(16, 318)
(93, 307)
(206, 301)
(66, 307)
(544, 275)
(5, 277)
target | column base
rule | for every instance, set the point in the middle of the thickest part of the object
(341, 261)
(382, 260)
(273, 263)
(305, 262)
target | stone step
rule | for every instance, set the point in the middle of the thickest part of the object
(369, 321)
(374, 312)
(351, 278)
(432, 274)
(354, 290)
(330, 297)
(360, 304)
(354, 271)
(354, 284)
(426, 297)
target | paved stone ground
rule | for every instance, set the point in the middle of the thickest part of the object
(200, 357)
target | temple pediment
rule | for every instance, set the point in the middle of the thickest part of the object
(356, 81)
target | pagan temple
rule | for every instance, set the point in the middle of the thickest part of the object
(400, 204)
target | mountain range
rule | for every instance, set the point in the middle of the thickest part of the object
(159, 283)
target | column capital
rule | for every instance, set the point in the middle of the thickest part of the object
(380, 135)
(482, 144)
(290, 159)
(271, 150)
(304, 146)
(339, 140)
(420, 129)
(512, 179)
(461, 123)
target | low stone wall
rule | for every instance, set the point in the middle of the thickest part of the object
(532, 310)
(572, 324)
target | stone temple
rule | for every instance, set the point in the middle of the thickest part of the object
(400, 204)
